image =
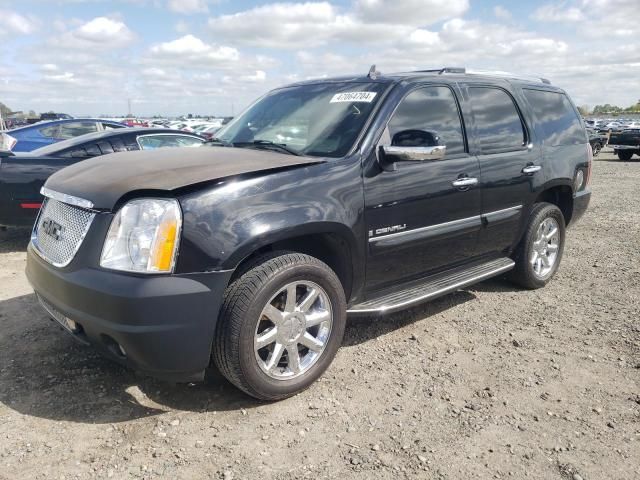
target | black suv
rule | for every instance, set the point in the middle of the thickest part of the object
(360, 195)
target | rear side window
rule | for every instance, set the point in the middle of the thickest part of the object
(49, 132)
(557, 122)
(151, 142)
(75, 129)
(428, 117)
(498, 123)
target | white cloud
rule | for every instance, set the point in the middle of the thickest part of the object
(104, 30)
(14, 23)
(191, 49)
(502, 13)
(558, 12)
(313, 24)
(412, 12)
(66, 77)
(188, 6)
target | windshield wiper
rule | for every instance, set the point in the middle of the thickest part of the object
(268, 144)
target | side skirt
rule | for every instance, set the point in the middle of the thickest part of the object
(432, 287)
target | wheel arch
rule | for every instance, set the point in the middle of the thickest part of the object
(560, 195)
(330, 242)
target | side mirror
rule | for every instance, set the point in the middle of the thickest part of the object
(413, 154)
(414, 146)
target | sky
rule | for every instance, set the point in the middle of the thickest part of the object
(173, 57)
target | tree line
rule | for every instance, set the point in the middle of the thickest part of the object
(607, 108)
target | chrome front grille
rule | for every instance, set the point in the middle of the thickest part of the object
(60, 230)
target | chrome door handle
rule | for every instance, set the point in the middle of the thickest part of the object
(531, 169)
(465, 182)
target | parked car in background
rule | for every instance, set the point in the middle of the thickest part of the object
(209, 132)
(45, 133)
(625, 143)
(45, 117)
(23, 174)
(135, 122)
(597, 140)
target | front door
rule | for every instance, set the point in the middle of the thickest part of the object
(424, 216)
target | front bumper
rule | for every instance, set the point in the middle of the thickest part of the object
(162, 325)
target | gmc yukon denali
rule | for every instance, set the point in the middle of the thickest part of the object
(359, 195)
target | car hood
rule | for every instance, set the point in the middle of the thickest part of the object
(104, 180)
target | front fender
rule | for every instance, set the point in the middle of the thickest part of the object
(225, 223)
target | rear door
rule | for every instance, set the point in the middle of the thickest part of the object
(509, 163)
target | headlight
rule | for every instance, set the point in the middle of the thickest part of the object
(143, 237)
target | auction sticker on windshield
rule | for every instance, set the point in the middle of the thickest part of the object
(366, 97)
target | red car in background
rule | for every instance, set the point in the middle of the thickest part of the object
(134, 122)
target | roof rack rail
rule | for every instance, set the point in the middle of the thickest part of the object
(500, 73)
(497, 73)
(444, 70)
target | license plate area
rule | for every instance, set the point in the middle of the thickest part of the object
(65, 322)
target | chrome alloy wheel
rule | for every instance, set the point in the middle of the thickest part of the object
(544, 251)
(293, 330)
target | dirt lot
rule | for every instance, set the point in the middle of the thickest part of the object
(489, 382)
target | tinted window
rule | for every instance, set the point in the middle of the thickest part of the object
(557, 122)
(50, 132)
(497, 120)
(110, 126)
(150, 142)
(428, 117)
(75, 129)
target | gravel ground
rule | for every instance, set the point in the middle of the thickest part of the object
(489, 382)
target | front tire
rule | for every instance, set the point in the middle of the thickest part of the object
(538, 255)
(280, 326)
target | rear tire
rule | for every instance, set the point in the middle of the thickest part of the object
(625, 155)
(274, 337)
(538, 255)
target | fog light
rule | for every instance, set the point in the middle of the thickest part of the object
(579, 181)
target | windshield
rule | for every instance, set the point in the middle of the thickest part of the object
(318, 119)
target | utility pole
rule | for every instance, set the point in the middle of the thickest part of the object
(129, 114)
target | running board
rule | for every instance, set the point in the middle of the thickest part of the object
(435, 286)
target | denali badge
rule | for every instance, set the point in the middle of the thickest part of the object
(53, 229)
(386, 230)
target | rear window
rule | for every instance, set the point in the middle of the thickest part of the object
(498, 123)
(557, 122)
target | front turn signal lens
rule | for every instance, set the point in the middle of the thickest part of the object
(164, 246)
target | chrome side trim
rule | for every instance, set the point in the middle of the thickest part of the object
(438, 292)
(503, 214)
(64, 198)
(463, 222)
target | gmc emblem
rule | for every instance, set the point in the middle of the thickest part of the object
(53, 229)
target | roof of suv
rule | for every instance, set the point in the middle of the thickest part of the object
(444, 74)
